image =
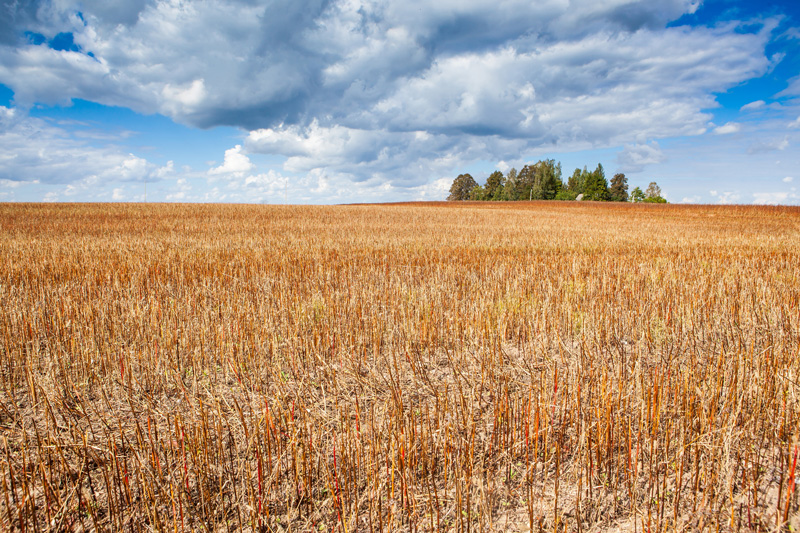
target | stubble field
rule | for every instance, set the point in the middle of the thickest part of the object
(474, 367)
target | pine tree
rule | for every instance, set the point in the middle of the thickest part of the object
(618, 191)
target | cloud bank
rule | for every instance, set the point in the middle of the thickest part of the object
(379, 91)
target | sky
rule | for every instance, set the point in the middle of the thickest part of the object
(340, 101)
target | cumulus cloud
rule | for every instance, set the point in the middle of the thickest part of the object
(788, 179)
(406, 159)
(236, 163)
(266, 63)
(497, 104)
(183, 100)
(597, 90)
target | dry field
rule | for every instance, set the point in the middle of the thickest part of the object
(474, 367)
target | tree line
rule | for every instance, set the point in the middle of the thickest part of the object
(542, 181)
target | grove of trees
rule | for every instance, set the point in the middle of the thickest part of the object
(543, 181)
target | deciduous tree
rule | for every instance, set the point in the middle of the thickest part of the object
(549, 173)
(653, 194)
(510, 188)
(478, 194)
(525, 183)
(462, 188)
(494, 185)
(653, 190)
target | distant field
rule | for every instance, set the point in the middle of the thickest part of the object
(420, 367)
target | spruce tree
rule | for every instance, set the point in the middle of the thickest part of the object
(596, 187)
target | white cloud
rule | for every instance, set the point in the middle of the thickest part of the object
(322, 185)
(435, 190)
(9, 184)
(771, 198)
(165, 171)
(726, 197)
(115, 11)
(635, 157)
(305, 147)
(599, 89)
(184, 100)
(118, 194)
(176, 196)
(788, 179)
(7, 115)
(792, 90)
(690, 199)
(768, 145)
(236, 163)
(752, 106)
(728, 128)
(563, 95)
(262, 64)
(405, 159)
(133, 169)
(32, 150)
(359, 94)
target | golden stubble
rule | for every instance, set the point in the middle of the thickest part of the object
(423, 367)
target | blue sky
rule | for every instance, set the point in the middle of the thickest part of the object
(336, 101)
